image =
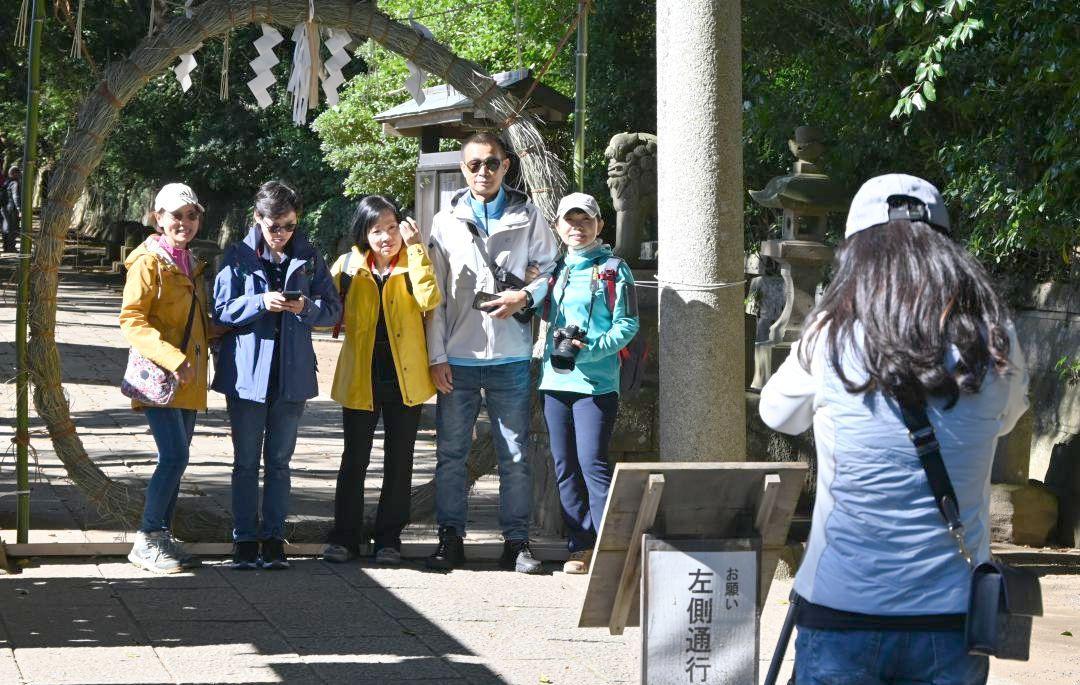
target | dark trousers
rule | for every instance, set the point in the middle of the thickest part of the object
(400, 424)
(579, 427)
(11, 240)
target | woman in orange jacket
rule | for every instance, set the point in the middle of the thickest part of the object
(387, 283)
(164, 283)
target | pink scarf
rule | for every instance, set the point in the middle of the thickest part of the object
(180, 256)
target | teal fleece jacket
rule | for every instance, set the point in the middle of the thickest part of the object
(596, 371)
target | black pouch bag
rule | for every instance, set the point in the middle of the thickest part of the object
(1003, 598)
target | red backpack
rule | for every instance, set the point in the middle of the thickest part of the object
(632, 356)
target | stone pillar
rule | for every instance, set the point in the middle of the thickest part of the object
(700, 230)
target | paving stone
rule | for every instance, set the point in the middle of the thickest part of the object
(231, 663)
(200, 604)
(9, 668)
(294, 617)
(98, 665)
(31, 625)
(264, 585)
(45, 592)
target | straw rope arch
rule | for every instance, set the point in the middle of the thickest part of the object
(84, 147)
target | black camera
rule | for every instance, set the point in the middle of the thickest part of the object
(563, 350)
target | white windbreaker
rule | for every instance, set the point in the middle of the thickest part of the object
(877, 542)
(522, 237)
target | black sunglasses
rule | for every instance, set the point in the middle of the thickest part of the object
(273, 228)
(492, 164)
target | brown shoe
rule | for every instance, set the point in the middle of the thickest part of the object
(578, 563)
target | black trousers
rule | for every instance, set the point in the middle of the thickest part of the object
(400, 424)
(11, 240)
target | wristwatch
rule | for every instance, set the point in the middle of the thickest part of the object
(528, 300)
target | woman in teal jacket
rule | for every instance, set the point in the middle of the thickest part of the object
(592, 314)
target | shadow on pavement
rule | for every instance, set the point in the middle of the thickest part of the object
(312, 623)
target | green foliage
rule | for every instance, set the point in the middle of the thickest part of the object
(979, 97)
(994, 124)
(1068, 369)
(487, 33)
(327, 223)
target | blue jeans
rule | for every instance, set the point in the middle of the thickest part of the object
(507, 396)
(262, 433)
(887, 657)
(579, 427)
(172, 430)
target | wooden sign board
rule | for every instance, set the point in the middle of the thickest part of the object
(699, 611)
(685, 500)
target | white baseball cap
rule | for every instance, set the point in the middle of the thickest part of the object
(882, 199)
(174, 196)
(582, 201)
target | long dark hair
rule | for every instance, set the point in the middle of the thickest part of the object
(915, 293)
(367, 213)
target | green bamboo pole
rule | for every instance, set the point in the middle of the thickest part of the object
(579, 94)
(29, 176)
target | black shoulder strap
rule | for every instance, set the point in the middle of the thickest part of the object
(926, 446)
(345, 279)
(495, 271)
(190, 317)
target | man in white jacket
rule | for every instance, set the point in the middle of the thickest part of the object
(480, 342)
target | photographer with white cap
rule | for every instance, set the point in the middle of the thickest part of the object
(910, 332)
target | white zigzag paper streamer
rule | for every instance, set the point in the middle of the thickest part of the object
(186, 66)
(300, 80)
(336, 43)
(415, 83)
(263, 65)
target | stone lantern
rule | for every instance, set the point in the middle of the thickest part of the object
(806, 196)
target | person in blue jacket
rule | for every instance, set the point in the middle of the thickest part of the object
(272, 289)
(592, 314)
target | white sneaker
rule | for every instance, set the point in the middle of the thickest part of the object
(176, 548)
(337, 554)
(578, 563)
(388, 556)
(152, 552)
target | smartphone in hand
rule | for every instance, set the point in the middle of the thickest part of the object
(292, 295)
(482, 297)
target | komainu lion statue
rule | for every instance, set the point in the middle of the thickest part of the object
(632, 181)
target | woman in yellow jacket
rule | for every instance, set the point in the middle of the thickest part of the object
(387, 283)
(164, 283)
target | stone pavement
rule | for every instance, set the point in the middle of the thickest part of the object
(103, 621)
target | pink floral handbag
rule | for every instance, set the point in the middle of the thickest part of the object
(146, 382)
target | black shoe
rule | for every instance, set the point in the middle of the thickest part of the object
(245, 555)
(273, 554)
(450, 553)
(517, 555)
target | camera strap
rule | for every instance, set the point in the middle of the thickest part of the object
(594, 285)
(479, 245)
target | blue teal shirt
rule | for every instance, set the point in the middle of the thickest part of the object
(485, 216)
(596, 371)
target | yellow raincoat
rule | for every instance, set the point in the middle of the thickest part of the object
(157, 297)
(404, 301)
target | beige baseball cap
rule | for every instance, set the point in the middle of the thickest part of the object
(584, 202)
(174, 196)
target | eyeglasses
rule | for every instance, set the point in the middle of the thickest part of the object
(492, 164)
(275, 229)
